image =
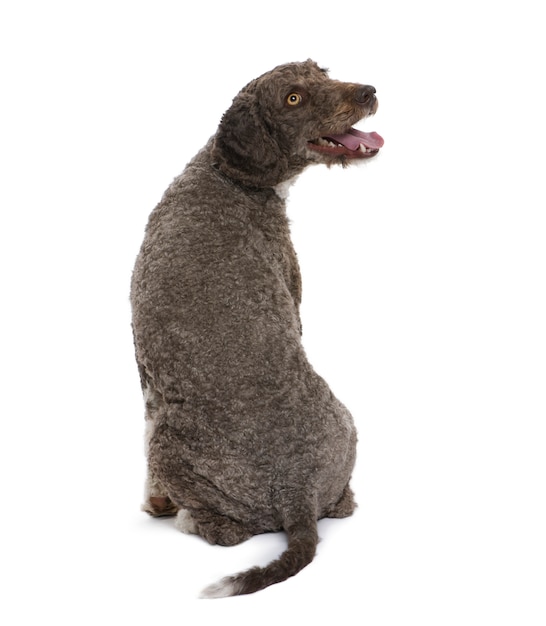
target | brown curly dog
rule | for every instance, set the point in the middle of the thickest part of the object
(243, 437)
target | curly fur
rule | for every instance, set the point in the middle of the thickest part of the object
(243, 437)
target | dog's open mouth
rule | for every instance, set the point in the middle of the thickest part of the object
(353, 144)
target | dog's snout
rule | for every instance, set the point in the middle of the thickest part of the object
(364, 93)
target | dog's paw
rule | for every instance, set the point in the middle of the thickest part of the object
(159, 506)
(185, 523)
(345, 505)
(220, 530)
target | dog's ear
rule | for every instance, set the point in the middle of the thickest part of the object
(243, 147)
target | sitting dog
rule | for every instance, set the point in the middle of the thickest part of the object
(243, 437)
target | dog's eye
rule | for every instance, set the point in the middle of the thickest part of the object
(294, 99)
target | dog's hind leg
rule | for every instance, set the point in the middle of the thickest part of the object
(344, 507)
(216, 529)
(156, 501)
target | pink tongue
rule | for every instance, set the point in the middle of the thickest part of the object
(353, 138)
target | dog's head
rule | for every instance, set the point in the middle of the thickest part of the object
(291, 117)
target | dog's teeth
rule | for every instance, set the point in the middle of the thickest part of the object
(324, 142)
(364, 149)
(321, 141)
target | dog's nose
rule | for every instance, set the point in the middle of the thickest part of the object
(364, 93)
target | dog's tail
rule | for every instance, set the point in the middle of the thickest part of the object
(302, 545)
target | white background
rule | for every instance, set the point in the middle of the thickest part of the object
(424, 306)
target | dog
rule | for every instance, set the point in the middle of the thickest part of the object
(242, 436)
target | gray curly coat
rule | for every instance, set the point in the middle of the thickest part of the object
(243, 437)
